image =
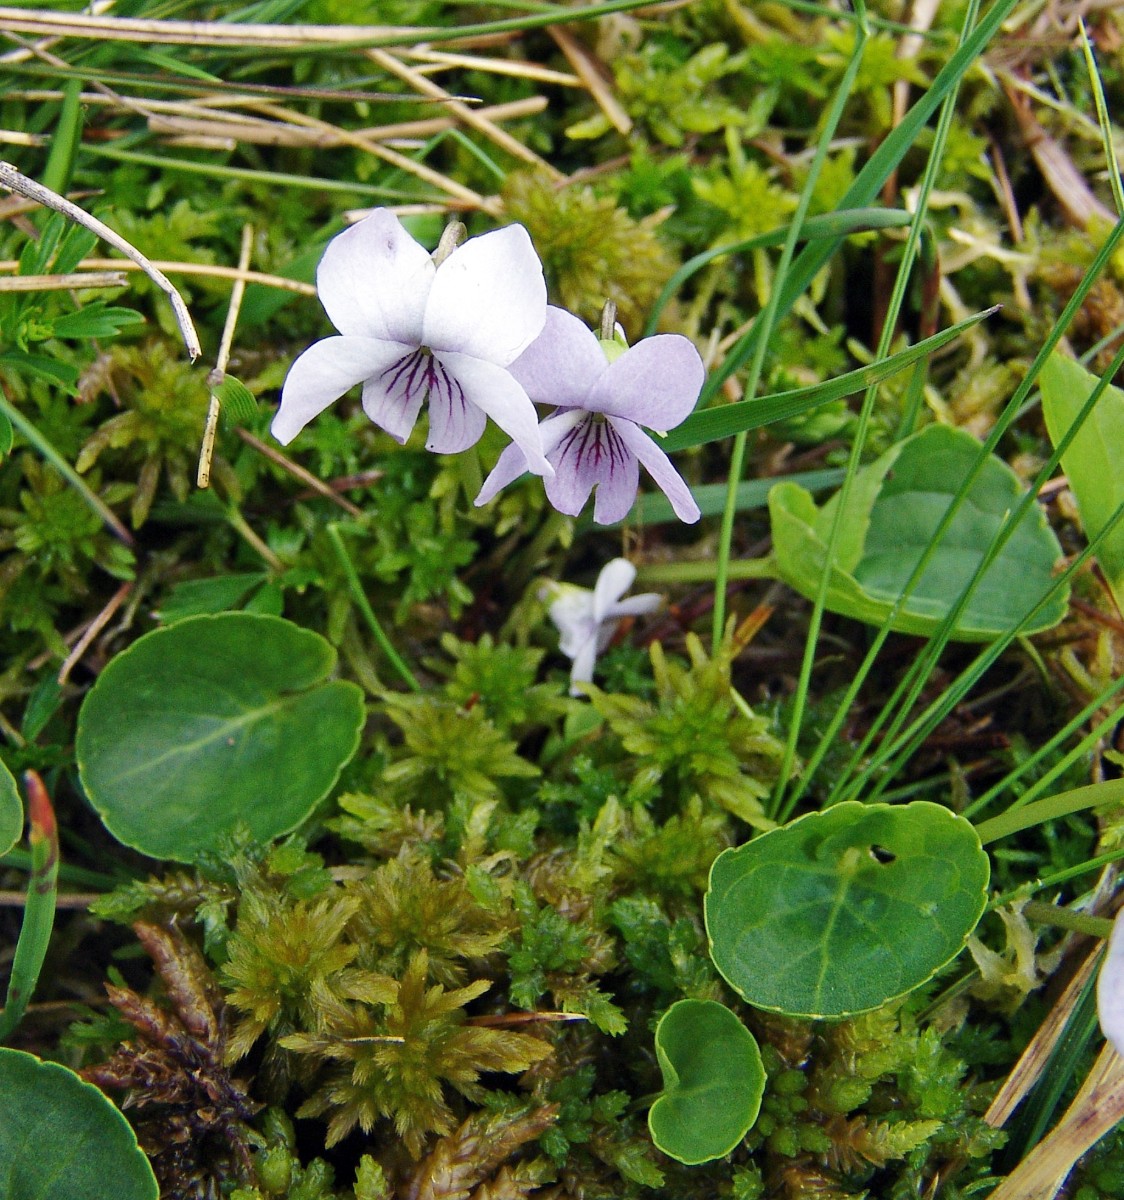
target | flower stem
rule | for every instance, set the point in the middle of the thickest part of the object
(357, 594)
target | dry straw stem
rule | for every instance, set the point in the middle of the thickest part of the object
(14, 181)
(462, 112)
(1096, 1110)
(298, 472)
(54, 283)
(207, 447)
(214, 270)
(188, 33)
(464, 195)
(93, 629)
(591, 75)
(494, 66)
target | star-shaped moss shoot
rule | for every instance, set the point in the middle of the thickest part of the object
(604, 393)
(587, 620)
(414, 326)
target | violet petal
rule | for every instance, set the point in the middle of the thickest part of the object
(562, 364)
(658, 465)
(656, 383)
(323, 373)
(488, 298)
(374, 280)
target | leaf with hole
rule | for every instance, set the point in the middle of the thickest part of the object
(211, 723)
(1094, 461)
(61, 1139)
(892, 514)
(11, 811)
(713, 1081)
(842, 910)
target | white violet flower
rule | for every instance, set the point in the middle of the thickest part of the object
(604, 394)
(1110, 987)
(587, 620)
(411, 328)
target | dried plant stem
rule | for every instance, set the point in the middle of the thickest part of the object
(14, 181)
(93, 629)
(591, 76)
(461, 111)
(298, 472)
(54, 283)
(213, 270)
(207, 447)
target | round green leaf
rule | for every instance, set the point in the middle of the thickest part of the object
(842, 910)
(214, 722)
(61, 1139)
(893, 510)
(11, 811)
(713, 1081)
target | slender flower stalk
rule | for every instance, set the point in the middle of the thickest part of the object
(604, 394)
(412, 328)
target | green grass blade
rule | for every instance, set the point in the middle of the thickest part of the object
(65, 140)
(39, 910)
(867, 184)
(729, 419)
(836, 225)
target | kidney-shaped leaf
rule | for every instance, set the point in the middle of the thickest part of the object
(893, 510)
(1094, 462)
(11, 811)
(61, 1139)
(842, 910)
(713, 1081)
(213, 722)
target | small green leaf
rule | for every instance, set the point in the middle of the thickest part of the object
(6, 435)
(214, 722)
(238, 403)
(1094, 462)
(11, 811)
(199, 597)
(96, 320)
(842, 910)
(713, 1081)
(893, 510)
(42, 704)
(61, 1139)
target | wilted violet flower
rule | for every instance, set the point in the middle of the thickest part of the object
(1110, 987)
(410, 328)
(594, 436)
(588, 619)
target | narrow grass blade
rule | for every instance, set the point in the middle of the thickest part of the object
(39, 911)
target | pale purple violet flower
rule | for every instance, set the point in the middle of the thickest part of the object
(588, 619)
(411, 329)
(594, 436)
(1110, 987)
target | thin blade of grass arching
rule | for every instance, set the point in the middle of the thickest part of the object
(868, 182)
(39, 910)
(782, 807)
(905, 695)
(898, 751)
(827, 225)
(1049, 747)
(767, 321)
(1103, 120)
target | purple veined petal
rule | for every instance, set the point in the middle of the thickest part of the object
(656, 383)
(323, 373)
(392, 396)
(513, 462)
(494, 391)
(592, 453)
(488, 298)
(562, 364)
(374, 280)
(454, 422)
(615, 579)
(658, 465)
(1110, 988)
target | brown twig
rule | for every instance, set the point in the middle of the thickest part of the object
(93, 629)
(298, 472)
